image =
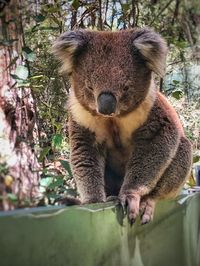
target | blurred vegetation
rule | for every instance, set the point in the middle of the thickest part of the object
(178, 21)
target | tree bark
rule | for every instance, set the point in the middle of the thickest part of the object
(19, 176)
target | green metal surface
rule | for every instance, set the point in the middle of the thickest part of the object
(94, 235)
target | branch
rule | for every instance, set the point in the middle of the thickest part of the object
(100, 16)
(161, 11)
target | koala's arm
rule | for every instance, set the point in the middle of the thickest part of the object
(88, 163)
(155, 144)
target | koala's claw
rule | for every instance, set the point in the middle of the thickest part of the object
(147, 210)
(130, 202)
(132, 206)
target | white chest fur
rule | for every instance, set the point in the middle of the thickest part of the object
(103, 126)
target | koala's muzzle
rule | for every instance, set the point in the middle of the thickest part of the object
(106, 103)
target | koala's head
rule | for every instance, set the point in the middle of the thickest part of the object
(111, 72)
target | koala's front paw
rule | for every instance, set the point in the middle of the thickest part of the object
(147, 207)
(131, 201)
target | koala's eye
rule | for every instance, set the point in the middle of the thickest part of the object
(125, 88)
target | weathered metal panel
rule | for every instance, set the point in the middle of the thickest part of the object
(97, 235)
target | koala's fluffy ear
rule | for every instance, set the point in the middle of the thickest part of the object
(67, 47)
(153, 49)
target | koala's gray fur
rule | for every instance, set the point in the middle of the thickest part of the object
(139, 152)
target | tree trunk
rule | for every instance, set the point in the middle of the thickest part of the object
(19, 176)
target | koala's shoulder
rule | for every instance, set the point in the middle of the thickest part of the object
(161, 117)
(166, 112)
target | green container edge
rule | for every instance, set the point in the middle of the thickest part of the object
(99, 234)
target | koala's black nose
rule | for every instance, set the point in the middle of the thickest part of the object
(106, 103)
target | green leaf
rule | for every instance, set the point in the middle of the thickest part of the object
(37, 77)
(75, 4)
(3, 168)
(21, 72)
(39, 18)
(125, 7)
(57, 183)
(22, 83)
(196, 159)
(44, 183)
(177, 94)
(176, 82)
(57, 141)
(29, 54)
(52, 8)
(181, 44)
(66, 165)
(35, 28)
(43, 153)
(12, 197)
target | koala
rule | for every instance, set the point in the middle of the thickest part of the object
(126, 139)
